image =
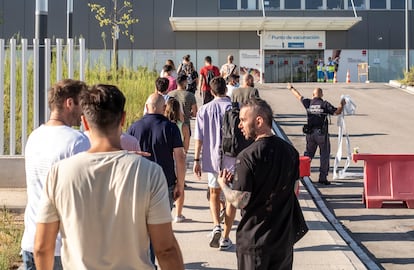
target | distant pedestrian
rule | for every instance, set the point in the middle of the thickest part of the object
(187, 68)
(316, 129)
(232, 83)
(229, 68)
(207, 137)
(207, 73)
(246, 91)
(53, 141)
(161, 87)
(263, 188)
(107, 202)
(172, 80)
(174, 114)
(173, 73)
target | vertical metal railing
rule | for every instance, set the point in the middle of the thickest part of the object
(19, 53)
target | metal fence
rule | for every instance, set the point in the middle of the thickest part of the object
(12, 52)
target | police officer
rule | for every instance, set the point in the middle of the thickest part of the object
(317, 127)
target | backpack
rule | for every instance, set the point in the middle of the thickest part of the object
(233, 140)
(210, 75)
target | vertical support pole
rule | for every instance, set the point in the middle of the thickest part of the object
(47, 76)
(12, 125)
(2, 60)
(59, 45)
(41, 34)
(82, 60)
(70, 58)
(24, 94)
(36, 77)
(69, 17)
(261, 52)
(407, 40)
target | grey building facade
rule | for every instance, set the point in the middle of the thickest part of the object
(281, 39)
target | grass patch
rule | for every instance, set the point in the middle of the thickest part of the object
(408, 77)
(11, 231)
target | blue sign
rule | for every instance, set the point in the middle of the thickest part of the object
(296, 45)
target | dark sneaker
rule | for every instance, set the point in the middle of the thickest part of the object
(324, 182)
(225, 243)
(215, 237)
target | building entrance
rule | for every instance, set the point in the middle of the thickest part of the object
(291, 66)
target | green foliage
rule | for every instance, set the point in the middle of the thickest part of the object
(11, 231)
(136, 84)
(119, 18)
(409, 77)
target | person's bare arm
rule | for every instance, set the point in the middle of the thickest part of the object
(194, 110)
(239, 199)
(165, 246)
(294, 91)
(44, 246)
(179, 157)
(200, 82)
(186, 137)
(340, 107)
(197, 153)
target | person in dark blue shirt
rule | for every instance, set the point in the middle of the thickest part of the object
(316, 130)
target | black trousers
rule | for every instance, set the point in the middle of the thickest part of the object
(269, 261)
(319, 139)
(207, 96)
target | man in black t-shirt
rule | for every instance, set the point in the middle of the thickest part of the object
(263, 188)
(316, 130)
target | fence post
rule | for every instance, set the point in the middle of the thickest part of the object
(82, 59)
(12, 127)
(47, 75)
(59, 43)
(24, 94)
(2, 60)
(70, 58)
(35, 83)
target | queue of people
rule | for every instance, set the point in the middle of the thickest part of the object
(102, 198)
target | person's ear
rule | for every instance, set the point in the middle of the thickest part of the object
(123, 117)
(69, 102)
(259, 121)
(85, 123)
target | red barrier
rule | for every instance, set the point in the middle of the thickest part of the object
(304, 166)
(387, 177)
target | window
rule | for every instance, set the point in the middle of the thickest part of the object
(359, 4)
(314, 4)
(292, 4)
(378, 4)
(228, 4)
(335, 4)
(272, 4)
(250, 4)
(397, 4)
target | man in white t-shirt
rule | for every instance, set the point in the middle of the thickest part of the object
(107, 203)
(51, 142)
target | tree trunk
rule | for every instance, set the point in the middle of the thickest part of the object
(115, 53)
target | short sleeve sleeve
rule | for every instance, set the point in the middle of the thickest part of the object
(159, 211)
(198, 130)
(243, 176)
(176, 136)
(81, 145)
(329, 108)
(306, 102)
(47, 207)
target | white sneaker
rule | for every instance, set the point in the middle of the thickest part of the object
(215, 237)
(225, 243)
(179, 219)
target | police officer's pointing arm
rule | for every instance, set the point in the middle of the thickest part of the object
(294, 92)
(340, 107)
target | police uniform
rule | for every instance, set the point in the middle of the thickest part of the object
(317, 134)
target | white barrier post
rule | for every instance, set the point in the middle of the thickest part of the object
(24, 94)
(70, 58)
(12, 127)
(47, 75)
(35, 83)
(82, 59)
(2, 60)
(59, 43)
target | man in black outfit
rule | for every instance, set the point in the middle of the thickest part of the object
(263, 188)
(317, 128)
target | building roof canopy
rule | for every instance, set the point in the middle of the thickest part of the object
(262, 23)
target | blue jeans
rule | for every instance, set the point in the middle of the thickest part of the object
(29, 264)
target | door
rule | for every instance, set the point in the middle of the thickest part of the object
(291, 66)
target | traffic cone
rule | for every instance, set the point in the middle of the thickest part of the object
(348, 77)
(335, 80)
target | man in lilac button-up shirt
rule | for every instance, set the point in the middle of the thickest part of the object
(208, 138)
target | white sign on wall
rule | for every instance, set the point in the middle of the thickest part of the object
(250, 63)
(294, 40)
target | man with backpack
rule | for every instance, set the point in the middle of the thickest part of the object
(207, 73)
(187, 68)
(229, 68)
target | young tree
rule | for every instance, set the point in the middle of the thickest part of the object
(118, 18)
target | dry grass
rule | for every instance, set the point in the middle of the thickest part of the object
(11, 231)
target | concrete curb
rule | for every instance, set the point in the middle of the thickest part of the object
(405, 88)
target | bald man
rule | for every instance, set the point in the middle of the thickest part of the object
(316, 130)
(246, 91)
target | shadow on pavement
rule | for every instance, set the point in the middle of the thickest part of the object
(322, 248)
(200, 265)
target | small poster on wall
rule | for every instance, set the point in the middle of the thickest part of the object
(250, 63)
